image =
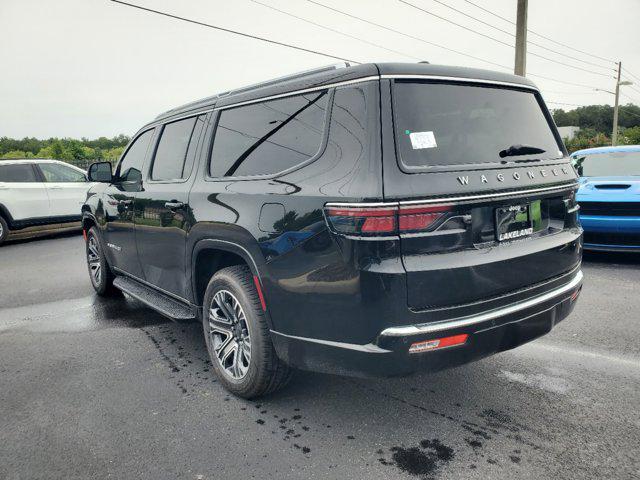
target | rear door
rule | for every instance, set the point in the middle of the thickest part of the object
(67, 188)
(485, 189)
(162, 214)
(22, 193)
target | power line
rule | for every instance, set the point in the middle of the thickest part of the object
(628, 112)
(404, 34)
(564, 64)
(561, 81)
(242, 34)
(513, 35)
(630, 98)
(632, 87)
(566, 104)
(457, 24)
(631, 74)
(539, 34)
(334, 30)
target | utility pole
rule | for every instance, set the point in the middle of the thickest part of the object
(614, 134)
(521, 39)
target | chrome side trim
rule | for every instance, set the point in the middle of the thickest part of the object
(473, 320)
(300, 92)
(566, 186)
(460, 80)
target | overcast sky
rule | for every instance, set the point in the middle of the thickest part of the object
(89, 68)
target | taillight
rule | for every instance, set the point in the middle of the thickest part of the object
(383, 220)
(416, 219)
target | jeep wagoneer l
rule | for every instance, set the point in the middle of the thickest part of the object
(377, 219)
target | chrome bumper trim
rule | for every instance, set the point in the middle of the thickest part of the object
(472, 320)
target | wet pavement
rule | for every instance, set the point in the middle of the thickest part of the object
(91, 388)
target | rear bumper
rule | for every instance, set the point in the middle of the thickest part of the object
(488, 333)
(611, 233)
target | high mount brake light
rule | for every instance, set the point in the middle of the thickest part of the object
(384, 220)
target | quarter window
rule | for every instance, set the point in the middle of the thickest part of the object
(268, 137)
(18, 173)
(130, 169)
(54, 172)
(176, 145)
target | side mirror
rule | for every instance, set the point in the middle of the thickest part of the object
(100, 172)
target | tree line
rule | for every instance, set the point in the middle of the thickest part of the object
(596, 125)
(68, 149)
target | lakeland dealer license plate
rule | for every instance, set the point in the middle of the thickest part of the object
(513, 222)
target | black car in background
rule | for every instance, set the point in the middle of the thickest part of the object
(378, 219)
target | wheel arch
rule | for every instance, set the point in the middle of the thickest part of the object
(210, 255)
(4, 212)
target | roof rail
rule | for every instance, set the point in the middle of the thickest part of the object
(266, 83)
(292, 76)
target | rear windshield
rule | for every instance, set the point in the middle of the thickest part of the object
(445, 125)
(608, 164)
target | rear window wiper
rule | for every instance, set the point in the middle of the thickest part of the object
(515, 150)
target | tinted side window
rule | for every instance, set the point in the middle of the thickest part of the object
(171, 155)
(54, 172)
(130, 169)
(268, 137)
(20, 173)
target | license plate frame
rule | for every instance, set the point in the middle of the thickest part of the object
(513, 222)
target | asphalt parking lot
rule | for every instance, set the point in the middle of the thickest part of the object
(91, 388)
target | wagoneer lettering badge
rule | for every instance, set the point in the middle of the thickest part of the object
(531, 174)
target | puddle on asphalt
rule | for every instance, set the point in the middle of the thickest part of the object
(88, 313)
(540, 381)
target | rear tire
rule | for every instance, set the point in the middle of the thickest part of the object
(99, 271)
(4, 230)
(238, 338)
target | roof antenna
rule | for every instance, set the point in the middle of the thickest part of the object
(423, 61)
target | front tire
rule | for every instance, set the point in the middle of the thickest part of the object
(4, 230)
(99, 271)
(238, 338)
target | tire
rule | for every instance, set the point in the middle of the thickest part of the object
(100, 273)
(246, 372)
(4, 230)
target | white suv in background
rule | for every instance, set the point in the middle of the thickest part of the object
(40, 195)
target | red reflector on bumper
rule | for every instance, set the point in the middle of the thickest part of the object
(434, 344)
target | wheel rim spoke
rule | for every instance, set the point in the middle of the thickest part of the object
(93, 258)
(229, 335)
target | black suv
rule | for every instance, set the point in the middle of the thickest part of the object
(378, 219)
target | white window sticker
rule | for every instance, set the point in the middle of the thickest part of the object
(422, 140)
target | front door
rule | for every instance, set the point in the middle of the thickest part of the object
(163, 216)
(67, 188)
(119, 204)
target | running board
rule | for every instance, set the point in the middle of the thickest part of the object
(160, 302)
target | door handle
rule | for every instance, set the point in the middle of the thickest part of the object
(55, 188)
(173, 205)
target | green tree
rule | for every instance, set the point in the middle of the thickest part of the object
(632, 136)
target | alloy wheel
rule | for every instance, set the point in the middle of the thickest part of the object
(93, 258)
(229, 334)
